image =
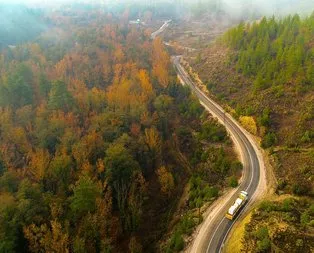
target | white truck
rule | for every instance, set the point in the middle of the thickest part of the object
(234, 209)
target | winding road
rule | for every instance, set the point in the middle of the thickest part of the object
(215, 228)
(214, 232)
(161, 29)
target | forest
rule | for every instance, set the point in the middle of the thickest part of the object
(98, 140)
(275, 52)
(277, 55)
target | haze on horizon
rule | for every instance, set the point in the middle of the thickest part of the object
(265, 6)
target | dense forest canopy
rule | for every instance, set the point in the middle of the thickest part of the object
(98, 139)
(276, 52)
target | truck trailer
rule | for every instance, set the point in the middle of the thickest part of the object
(235, 208)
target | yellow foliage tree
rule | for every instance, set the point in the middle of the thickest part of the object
(43, 239)
(161, 62)
(166, 180)
(146, 86)
(152, 139)
(39, 162)
(249, 124)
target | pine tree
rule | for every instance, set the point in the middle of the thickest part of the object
(59, 97)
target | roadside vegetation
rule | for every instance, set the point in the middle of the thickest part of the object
(263, 73)
(285, 225)
(277, 56)
(215, 168)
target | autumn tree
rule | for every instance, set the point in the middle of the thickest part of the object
(161, 63)
(166, 180)
(153, 141)
(88, 149)
(47, 239)
(249, 124)
(39, 162)
(146, 86)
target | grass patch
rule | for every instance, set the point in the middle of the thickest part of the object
(234, 243)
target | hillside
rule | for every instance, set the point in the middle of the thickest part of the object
(98, 142)
(285, 224)
(263, 73)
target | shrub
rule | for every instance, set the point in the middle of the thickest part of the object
(233, 182)
(9, 181)
(289, 217)
(249, 124)
(305, 218)
(186, 224)
(287, 205)
(199, 202)
(176, 242)
(210, 192)
(267, 206)
(209, 86)
(211, 130)
(281, 184)
(236, 166)
(311, 209)
(300, 189)
(299, 243)
(269, 140)
(263, 242)
(166, 180)
(264, 119)
(263, 245)
(261, 233)
(306, 138)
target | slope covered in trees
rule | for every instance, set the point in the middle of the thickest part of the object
(275, 52)
(263, 73)
(266, 75)
(98, 140)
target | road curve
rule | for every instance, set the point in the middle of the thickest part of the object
(215, 228)
(161, 29)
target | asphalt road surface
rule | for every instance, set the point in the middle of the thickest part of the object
(161, 29)
(216, 231)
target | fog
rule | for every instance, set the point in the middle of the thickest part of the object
(270, 7)
(266, 6)
(236, 8)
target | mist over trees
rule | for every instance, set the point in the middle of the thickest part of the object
(19, 24)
